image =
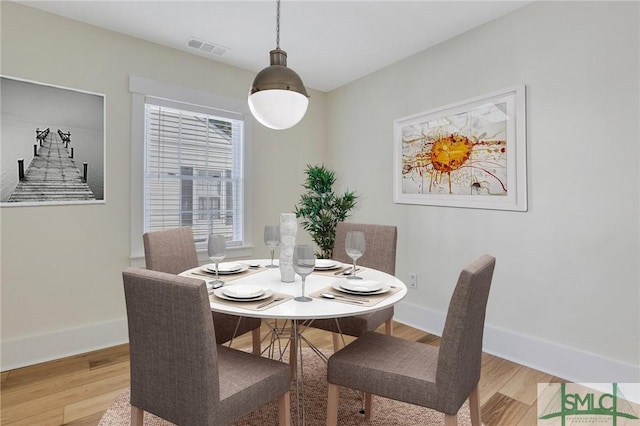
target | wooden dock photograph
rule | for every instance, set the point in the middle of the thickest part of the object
(52, 146)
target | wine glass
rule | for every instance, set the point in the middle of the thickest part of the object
(354, 246)
(303, 263)
(217, 247)
(272, 240)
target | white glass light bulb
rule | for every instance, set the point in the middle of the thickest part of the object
(278, 109)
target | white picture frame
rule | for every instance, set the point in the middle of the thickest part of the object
(53, 144)
(469, 154)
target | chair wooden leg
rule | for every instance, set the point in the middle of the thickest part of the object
(333, 400)
(450, 420)
(255, 338)
(284, 410)
(367, 406)
(336, 342)
(137, 416)
(474, 407)
(388, 326)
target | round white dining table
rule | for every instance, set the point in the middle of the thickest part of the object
(298, 313)
(269, 278)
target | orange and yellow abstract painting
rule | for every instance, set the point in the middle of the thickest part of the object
(461, 154)
(468, 154)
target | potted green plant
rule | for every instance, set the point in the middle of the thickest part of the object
(321, 209)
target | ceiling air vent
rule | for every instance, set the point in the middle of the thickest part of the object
(206, 47)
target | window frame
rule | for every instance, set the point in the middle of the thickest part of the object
(140, 89)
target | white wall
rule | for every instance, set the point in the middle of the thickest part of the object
(61, 284)
(567, 274)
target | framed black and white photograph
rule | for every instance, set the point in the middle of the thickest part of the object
(52, 145)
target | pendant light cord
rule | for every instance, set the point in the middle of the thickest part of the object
(278, 25)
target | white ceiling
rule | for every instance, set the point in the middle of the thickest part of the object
(329, 43)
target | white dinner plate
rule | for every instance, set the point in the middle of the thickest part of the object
(219, 292)
(338, 285)
(243, 291)
(326, 264)
(227, 268)
(361, 286)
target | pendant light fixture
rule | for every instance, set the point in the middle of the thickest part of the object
(277, 97)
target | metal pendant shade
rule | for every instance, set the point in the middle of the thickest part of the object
(278, 98)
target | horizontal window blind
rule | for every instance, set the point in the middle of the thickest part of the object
(193, 170)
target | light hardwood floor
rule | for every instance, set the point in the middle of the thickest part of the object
(77, 390)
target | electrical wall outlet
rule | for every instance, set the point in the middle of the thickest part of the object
(413, 280)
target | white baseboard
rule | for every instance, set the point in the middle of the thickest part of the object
(36, 349)
(561, 361)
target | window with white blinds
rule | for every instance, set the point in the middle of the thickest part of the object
(193, 170)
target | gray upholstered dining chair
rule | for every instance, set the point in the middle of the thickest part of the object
(380, 253)
(438, 378)
(178, 372)
(173, 251)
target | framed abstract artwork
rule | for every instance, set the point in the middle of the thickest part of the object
(52, 144)
(469, 154)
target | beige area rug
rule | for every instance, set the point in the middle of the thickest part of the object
(386, 412)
